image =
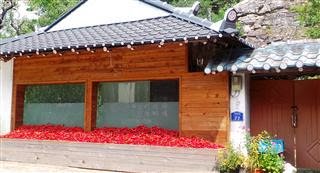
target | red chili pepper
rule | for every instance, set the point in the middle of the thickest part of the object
(140, 135)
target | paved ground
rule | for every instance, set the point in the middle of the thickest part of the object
(16, 167)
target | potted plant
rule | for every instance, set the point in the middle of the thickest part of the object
(270, 161)
(262, 156)
(230, 160)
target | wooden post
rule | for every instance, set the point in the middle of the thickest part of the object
(17, 106)
(90, 106)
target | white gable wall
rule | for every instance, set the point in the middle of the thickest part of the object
(96, 12)
(6, 76)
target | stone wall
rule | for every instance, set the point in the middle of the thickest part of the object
(266, 21)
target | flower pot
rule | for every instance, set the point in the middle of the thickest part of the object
(231, 171)
(257, 171)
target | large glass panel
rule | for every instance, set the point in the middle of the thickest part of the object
(54, 104)
(129, 104)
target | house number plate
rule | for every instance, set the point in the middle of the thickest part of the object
(236, 116)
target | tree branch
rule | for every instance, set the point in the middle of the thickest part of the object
(17, 26)
(6, 7)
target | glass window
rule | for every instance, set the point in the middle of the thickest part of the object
(164, 91)
(54, 104)
(128, 104)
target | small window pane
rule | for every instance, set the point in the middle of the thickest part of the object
(109, 91)
(165, 91)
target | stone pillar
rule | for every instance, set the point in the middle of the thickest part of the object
(6, 82)
(239, 110)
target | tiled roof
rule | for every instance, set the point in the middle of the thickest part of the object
(169, 28)
(177, 26)
(278, 57)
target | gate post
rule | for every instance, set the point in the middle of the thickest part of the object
(239, 110)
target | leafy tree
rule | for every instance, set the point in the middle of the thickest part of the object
(11, 23)
(5, 7)
(50, 10)
(220, 6)
(309, 15)
(211, 9)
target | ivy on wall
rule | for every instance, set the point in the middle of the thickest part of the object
(66, 93)
(309, 16)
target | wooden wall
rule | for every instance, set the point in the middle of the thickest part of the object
(204, 100)
(205, 106)
(120, 64)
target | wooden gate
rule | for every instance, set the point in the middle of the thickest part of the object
(291, 110)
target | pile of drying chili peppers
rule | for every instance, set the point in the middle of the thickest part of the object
(140, 135)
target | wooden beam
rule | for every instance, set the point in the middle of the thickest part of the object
(17, 106)
(90, 106)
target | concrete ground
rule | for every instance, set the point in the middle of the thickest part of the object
(17, 167)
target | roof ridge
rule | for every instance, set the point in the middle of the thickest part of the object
(180, 17)
(70, 29)
(180, 14)
(159, 4)
(107, 24)
(301, 41)
(194, 19)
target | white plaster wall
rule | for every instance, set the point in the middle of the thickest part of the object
(6, 76)
(96, 12)
(240, 102)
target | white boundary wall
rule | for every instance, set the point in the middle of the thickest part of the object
(239, 102)
(6, 83)
(113, 157)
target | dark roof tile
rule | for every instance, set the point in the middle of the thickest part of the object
(279, 56)
(156, 29)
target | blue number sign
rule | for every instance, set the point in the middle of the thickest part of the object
(236, 116)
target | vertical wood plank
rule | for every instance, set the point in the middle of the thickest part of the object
(17, 106)
(186, 58)
(180, 106)
(228, 86)
(90, 106)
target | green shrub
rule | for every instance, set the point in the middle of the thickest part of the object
(230, 160)
(268, 160)
(309, 16)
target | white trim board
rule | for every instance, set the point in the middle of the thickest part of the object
(6, 84)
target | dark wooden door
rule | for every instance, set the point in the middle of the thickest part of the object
(307, 99)
(271, 102)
